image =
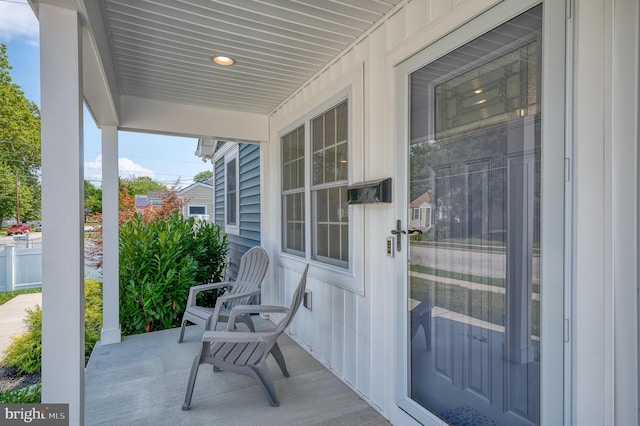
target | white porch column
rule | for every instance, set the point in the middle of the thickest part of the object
(110, 290)
(62, 210)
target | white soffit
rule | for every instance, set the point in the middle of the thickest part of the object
(162, 49)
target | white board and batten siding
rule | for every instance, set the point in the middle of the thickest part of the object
(351, 332)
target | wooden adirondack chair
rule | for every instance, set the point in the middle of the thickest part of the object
(245, 352)
(252, 269)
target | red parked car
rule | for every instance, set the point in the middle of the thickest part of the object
(18, 229)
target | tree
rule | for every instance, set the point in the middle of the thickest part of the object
(7, 191)
(203, 176)
(92, 198)
(141, 185)
(171, 203)
(19, 148)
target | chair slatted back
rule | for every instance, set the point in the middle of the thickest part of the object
(253, 265)
(252, 269)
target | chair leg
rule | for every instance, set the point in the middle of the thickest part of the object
(263, 376)
(246, 320)
(249, 323)
(207, 324)
(184, 324)
(191, 383)
(277, 354)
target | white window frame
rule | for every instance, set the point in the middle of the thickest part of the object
(189, 214)
(284, 193)
(232, 155)
(316, 188)
(348, 86)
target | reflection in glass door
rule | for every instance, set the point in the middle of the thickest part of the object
(474, 271)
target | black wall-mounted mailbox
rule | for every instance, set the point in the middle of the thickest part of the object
(373, 191)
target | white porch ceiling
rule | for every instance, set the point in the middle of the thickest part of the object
(162, 49)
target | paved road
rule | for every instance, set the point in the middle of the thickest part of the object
(35, 237)
(473, 262)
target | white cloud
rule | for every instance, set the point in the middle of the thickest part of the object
(93, 170)
(18, 20)
(126, 168)
(129, 168)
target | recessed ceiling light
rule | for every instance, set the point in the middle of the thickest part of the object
(223, 60)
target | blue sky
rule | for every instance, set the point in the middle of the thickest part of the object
(163, 158)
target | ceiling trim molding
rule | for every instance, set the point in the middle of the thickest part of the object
(153, 116)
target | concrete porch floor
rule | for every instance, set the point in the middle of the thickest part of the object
(142, 381)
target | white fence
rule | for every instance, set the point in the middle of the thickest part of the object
(20, 268)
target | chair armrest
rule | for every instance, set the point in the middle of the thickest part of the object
(210, 286)
(193, 291)
(252, 309)
(228, 297)
(235, 337)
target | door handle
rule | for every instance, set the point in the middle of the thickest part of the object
(398, 234)
(399, 231)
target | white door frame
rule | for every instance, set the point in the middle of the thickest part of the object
(555, 221)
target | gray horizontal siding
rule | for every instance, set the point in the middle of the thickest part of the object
(249, 155)
(218, 201)
(249, 203)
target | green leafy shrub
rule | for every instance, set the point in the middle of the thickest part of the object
(23, 395)
(24, 352)
(159, 261)
(92, 314)
(210, 251)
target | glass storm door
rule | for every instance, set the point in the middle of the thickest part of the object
(473, 308)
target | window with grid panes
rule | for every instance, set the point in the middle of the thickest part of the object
(293, 208)
(330, 165)
(231, 189)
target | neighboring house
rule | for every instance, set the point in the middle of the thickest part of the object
(420, 215)
(151, 198)
(236, 192)
(141, 201)
(198, 200)
(156, 197)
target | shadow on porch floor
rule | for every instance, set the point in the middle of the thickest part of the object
(142, 381)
